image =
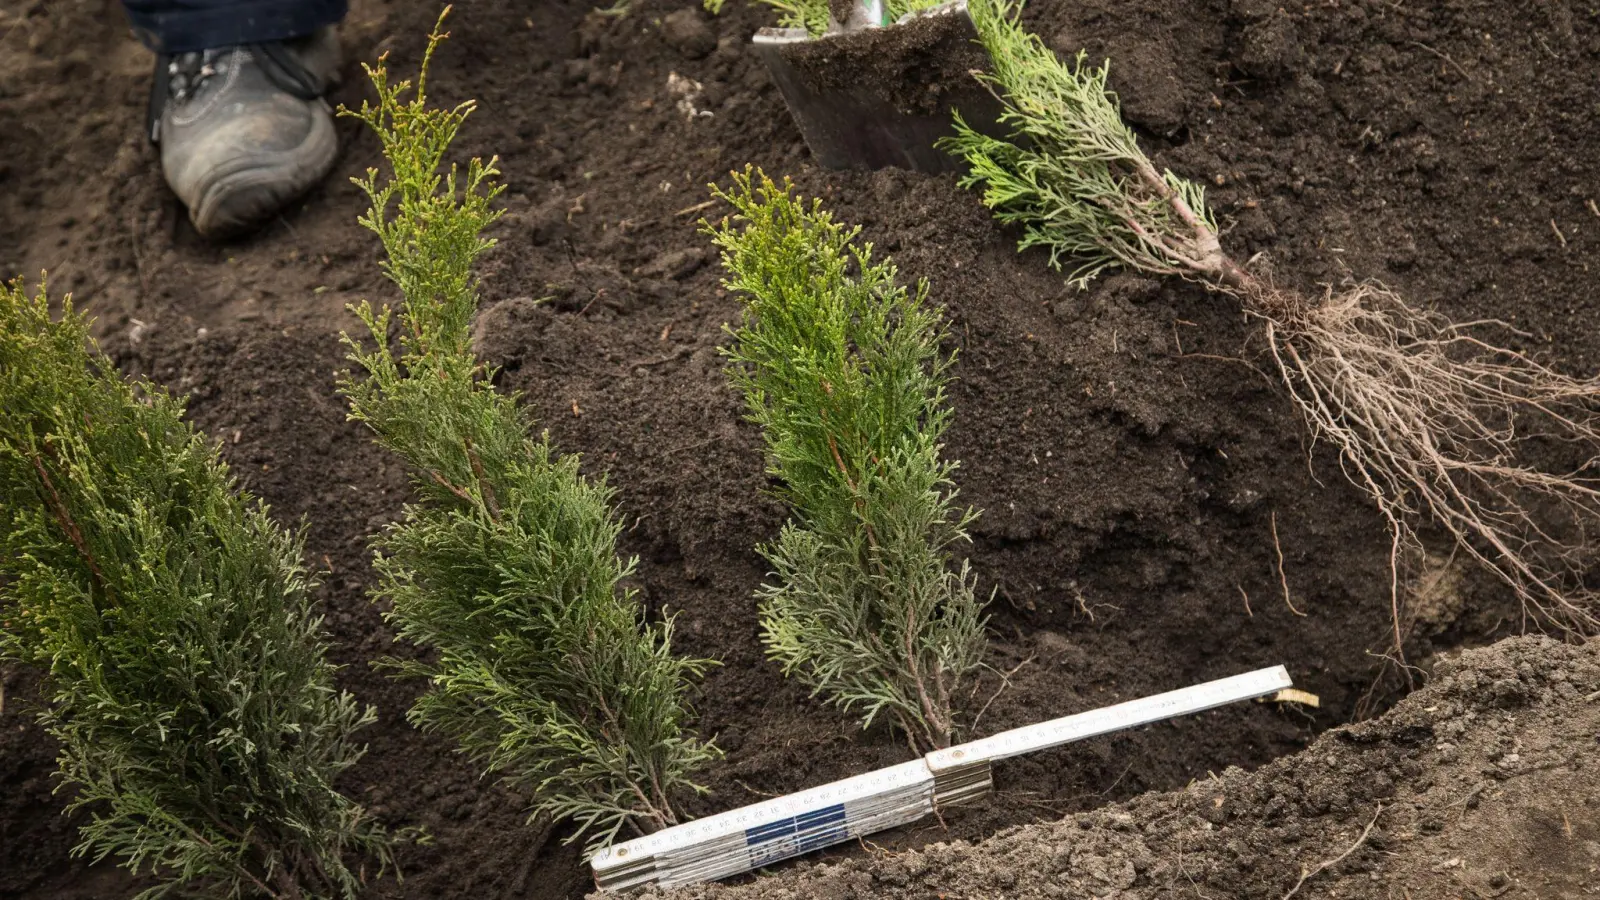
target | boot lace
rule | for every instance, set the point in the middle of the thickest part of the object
(180, 77)
(188, 72)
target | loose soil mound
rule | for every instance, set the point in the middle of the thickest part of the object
(1131, 460)
(1482, 784)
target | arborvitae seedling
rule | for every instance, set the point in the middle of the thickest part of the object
(505, 566)
(843, 370)
(187, 678)
(1430, 418)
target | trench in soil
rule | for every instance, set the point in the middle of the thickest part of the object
(1131, 459)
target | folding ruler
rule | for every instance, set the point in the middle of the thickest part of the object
(753, 836)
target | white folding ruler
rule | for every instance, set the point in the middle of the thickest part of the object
(964, 765)
(753, 836)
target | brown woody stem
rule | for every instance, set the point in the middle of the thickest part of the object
(58, 507)
(483, 479)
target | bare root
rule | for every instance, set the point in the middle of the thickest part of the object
(1429, 419)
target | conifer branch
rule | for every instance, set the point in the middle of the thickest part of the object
(187, 678)
(843, 370)
(505, 565)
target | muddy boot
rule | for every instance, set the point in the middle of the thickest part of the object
(244, 130)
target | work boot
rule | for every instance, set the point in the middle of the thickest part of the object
(244, 130)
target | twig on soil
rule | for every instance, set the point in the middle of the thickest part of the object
(1185, 872)
(1125, 770)
(698, 207)
(752, 790)
(1054, 809)
(870, 848)
(572, 260)
(674, 356)
(1559, 236)
(1083, 602)
(1282, 578)
(1470, 796)
(1394, 596)
(1307, 875)
(1592, 697)
(1107, 791)
(1005, 682)
(597, 295)
(1231, 359)
(1246, 595)
(1369, 700)
(1443, 56)
(684, 448)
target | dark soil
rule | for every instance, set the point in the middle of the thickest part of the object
(1480, 785)
(1130, 458)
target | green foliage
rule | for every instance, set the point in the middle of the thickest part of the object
(506, 565)
(812, 15)
(1072, 173)
(842, 369)
(188, 685)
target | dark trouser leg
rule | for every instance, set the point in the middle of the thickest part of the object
(182, 26)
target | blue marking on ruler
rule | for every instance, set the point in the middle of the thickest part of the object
(767, 842)
(770, 832)
(833, 815)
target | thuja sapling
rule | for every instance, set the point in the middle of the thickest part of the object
(187, 678)
(843, 370)
(1430, 418)
(505, 564)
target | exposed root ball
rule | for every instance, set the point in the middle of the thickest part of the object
(1428, 418)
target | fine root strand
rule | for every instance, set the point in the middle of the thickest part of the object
(1430, 420)
(1283, 578)
(1308, 874)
